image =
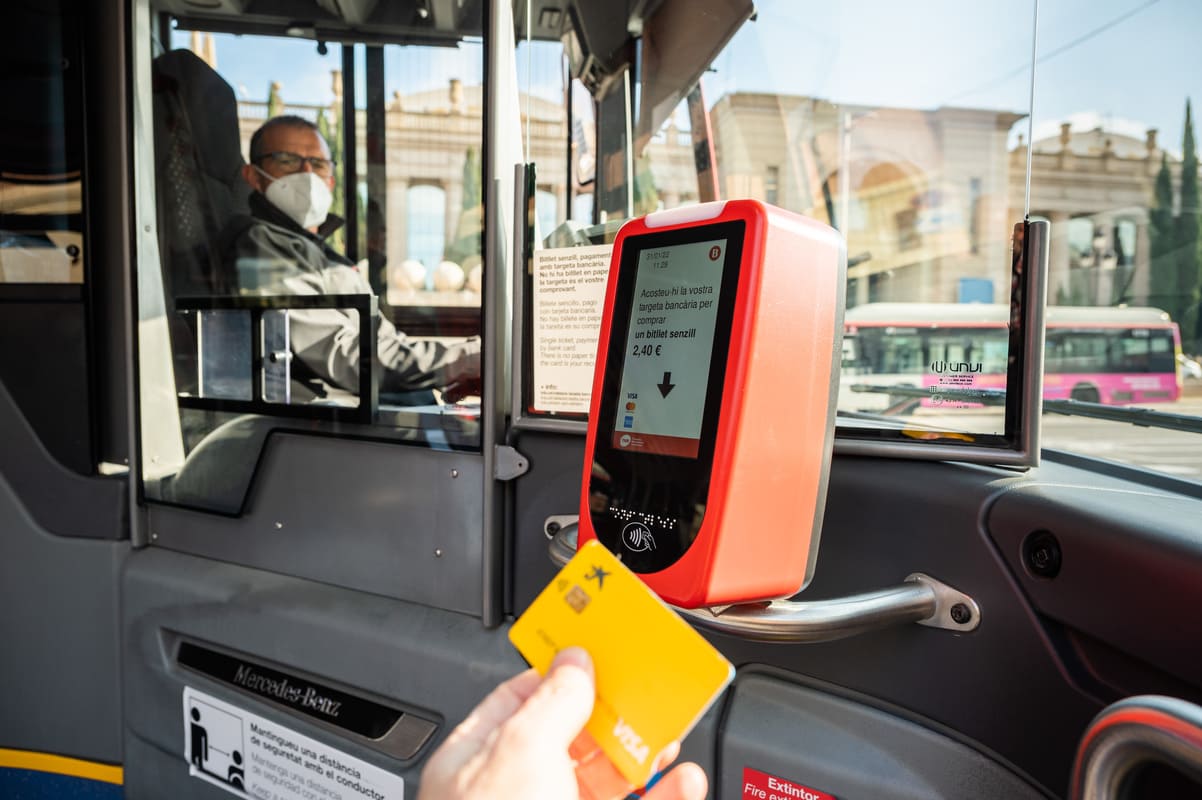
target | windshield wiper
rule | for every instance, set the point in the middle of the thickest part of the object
(1143, 417)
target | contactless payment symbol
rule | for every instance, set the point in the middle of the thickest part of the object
(637, 537)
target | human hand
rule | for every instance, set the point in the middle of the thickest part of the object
(515, 743)
(462, 377)
(468, 387)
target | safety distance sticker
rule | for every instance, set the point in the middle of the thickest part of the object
(250, 756)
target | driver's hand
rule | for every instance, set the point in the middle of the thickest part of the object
(467, 386)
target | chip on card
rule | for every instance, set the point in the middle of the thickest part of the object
(655, 675)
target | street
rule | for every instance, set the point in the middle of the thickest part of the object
(1171, 452)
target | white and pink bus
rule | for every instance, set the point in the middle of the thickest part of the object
(1106, 355)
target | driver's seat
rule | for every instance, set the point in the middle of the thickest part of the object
(198, 172)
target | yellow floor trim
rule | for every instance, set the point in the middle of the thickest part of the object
(61, 765)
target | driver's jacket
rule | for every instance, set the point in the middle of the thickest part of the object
(275, 256)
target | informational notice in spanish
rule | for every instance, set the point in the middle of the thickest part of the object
(569, 295)
(250, 756)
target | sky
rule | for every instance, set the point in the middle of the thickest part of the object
(1129, 64)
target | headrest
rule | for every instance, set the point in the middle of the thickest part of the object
(211, 112)
(198, 164)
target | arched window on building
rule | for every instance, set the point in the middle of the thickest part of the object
(426, 224)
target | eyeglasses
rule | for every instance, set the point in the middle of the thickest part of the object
(293, 162)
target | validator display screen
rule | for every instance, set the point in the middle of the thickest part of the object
(669, 347)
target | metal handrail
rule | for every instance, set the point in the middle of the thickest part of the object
(919, 598)
(820, 620)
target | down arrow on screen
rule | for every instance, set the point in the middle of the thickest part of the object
(667, 385)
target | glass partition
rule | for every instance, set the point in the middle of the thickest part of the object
(1114, 168)
(900, 129)
(320, 238)
(566, 255)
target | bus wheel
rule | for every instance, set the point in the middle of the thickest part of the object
(1086, 393)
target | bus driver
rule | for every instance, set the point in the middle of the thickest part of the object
(281, 248)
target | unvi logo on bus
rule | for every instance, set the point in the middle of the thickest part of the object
(956, 367)
(950, 382)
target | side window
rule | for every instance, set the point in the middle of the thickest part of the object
(849, 115)
(320, 234)
(43, 317)
(41, 166)
(1114, 167)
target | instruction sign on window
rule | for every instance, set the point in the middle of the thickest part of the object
(250, 756)
(569, 293)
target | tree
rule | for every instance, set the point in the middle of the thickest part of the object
(1176, 268)
(472, 195)
(323, 127)
(1188, 262)
(1162, 229)
(466, 239)
(646, 196)
(361, 205)
(275, 103)
(338, 238)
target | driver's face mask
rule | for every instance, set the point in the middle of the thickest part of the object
(303, 196)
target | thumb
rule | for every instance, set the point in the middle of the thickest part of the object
(562, 703)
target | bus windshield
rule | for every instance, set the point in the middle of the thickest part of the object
(924, 166)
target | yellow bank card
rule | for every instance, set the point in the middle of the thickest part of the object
(655, 674)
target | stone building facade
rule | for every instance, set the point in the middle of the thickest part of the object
(1096, 187)
(430, 137)
(926, 198)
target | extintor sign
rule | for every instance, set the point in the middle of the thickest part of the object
(762, 786)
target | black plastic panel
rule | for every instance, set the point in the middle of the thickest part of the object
(885, 519)
(551, 487)
(60, 651)
(44, 364)
(835, 745)
(995, 686)
(435, 663)
(1125, 595)
(61, 501)
(399, 521)
(311, 698)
